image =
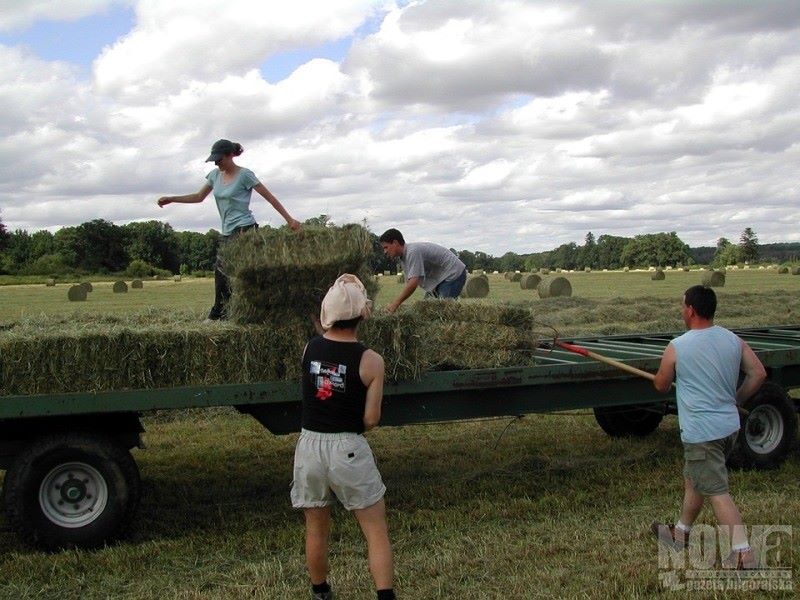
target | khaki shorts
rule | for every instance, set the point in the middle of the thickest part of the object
(335, 463)
(704, 465)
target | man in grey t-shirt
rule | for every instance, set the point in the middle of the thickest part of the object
(430, 266)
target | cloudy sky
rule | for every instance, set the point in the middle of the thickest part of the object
(487, 125)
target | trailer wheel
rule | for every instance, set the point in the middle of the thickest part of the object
(71, 490)
(623, 421)
(767, 432)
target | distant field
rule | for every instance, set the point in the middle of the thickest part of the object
(544, 507)
(197, 294)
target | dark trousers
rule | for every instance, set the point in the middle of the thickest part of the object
(222, 285)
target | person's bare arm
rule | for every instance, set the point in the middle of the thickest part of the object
(188, 198)
(371, 371)
(754, 374)
(666, 371)
(276, 204)
(404, 295)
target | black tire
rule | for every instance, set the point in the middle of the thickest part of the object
(625, 421)
(71, 490)
(768, 432)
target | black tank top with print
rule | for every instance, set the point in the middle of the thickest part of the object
(333, 394)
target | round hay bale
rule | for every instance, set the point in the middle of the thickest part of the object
(658, 275)
(587, 269)
(76, 293)
(626, 269)
(516, 277)
(120, 287)
(530, 281)
(176, 278)
(685, 269)
(795, 270)
(476, 287)
(714, 279)
(136, 284)
(401, 278)
(507, 275)
(50, 282)
(557, 286)
(387, 272)
(783, 270)
(544, 271)
(87, 286)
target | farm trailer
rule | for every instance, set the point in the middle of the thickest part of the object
(71, 481)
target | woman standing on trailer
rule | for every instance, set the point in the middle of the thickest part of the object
(232, 186)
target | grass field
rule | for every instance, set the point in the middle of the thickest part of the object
(550, 507)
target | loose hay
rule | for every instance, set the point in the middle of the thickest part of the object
(530, 281)
(120, 287)
(713, 279)
(76, 293)
(557, 286)
(477, 286)
(658, 275)
(271, 269)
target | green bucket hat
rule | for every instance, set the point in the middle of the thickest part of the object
(220, 149)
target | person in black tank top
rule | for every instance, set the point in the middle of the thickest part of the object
(342, 387)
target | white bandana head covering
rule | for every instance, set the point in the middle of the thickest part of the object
(346, 299)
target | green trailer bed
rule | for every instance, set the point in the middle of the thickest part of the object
(55, 503)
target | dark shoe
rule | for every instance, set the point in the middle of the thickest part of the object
(740, 560)
(322, 595)
(669, 536)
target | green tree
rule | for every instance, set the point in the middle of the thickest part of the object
(587, 256)
(101, 246)
(153, 242)
(4, 236)
(42, 244)
(198, 251)
(18, 250)
(655, 249)
(609, 251)
(748, 245)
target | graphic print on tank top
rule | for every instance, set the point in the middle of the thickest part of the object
(328, 378)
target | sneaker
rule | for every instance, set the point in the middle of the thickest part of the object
(322, 595)
(669, 536)
(740, 560)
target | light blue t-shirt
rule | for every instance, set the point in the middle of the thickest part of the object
(707, 370)
(233, 199)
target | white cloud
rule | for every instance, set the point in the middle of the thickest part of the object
(16, 14)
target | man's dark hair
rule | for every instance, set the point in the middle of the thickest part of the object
(392, 235)
(347, 323)
(702, 299)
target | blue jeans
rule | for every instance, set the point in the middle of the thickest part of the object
(451, 289)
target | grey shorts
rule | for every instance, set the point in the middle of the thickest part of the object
(704, 465)
(335, 463)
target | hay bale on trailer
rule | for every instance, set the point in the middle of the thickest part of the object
(477, 286)
(76, 293)
(272, 269)
(557, 286)
(529, 281)
(658, 275)
(714, 279)
(120, 287)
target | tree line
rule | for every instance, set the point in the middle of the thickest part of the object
(153, 248)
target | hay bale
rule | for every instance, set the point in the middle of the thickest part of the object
(529, 281)
(477, 286)
(626, 269)
(137, 284)
(87, 286)
(433, 309)
(176, 278)
(783, 270)
(401, 278)
(272, 269)
(120, 287)
(714, 279)
(587, 269)
(544, 271)
(76, 293)
(507, 275)
(516, 276)
(50, 282)
(658, 275)
(557, 286)
(795, 270)
(685, 269)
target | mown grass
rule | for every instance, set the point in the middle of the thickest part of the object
(550, 507)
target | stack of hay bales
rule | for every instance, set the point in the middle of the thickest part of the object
(456, 335)
(714, 278)
(276, 270)
(658, 275)
(529, 281)
(477, 286)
